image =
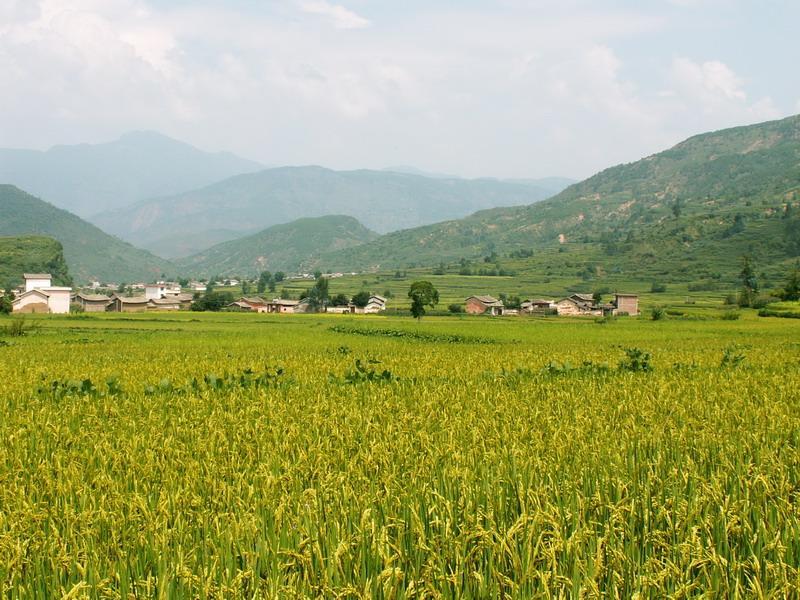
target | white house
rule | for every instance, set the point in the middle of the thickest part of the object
(375, 304)
(41, 296)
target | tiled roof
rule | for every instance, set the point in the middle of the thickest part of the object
(93, 297)
(36, 276)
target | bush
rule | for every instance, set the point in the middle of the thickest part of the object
(657, 313)
(16, 328)
(75, 308)
(658, 288)
(731, 315)
(637, 360)
(455, 308)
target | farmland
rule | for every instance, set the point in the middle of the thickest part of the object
(233, 455)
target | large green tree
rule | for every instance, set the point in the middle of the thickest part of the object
(422, 294)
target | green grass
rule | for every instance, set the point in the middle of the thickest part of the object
(195, 455)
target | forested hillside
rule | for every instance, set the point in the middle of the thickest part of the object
(693, 210)
(89, 252)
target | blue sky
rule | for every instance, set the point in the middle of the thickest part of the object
(512, 88)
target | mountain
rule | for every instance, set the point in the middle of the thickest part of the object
(689, 212)
(31, 254)
(87, 179)
(382, 201)
(286, 247)
(89, 252)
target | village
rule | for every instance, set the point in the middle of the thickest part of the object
(38, 295)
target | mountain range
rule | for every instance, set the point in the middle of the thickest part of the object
(90, 178)
(383, 201)
(708, 200)
(686, 213)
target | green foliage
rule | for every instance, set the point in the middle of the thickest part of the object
(212, 301)
(657, 313)
(658, 288)
(422, 294)
(88, 251)
(31, 254)
(361, 299)
(637, 360)
(455, 308)
(791, 291)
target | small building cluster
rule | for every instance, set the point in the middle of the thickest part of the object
(576, 305)
(376, 304)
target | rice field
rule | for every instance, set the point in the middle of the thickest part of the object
(251, 456)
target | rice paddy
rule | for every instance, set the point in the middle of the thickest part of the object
(249, 456)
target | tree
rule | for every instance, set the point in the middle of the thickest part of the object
(422, 294)
(263, 281)
(749, 282)
(361, 299)
(6, 303)
(792, 289)
(245, 287)
(318, 295)
(340, 300)
(213, 301)
(279, 276)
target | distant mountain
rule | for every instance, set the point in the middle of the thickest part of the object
(31, 254)
(87, 179)
(686, 212)
(89, 252)
(287, 247)
(382, 201)
(554, 185)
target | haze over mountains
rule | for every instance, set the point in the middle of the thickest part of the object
(90, 178)
(382, 200)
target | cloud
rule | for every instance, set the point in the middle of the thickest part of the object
(342, 18)
(715, 89)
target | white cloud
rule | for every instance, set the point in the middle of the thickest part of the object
(342, 18)
(516, 91)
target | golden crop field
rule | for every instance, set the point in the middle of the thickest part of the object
(248, 456)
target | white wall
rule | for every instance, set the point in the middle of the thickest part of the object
(36, 284)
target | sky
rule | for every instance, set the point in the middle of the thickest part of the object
(510, 88)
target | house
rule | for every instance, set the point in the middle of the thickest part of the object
(538, 305)
(128, 304)
(341, 310)
(185, 300)
(162, 289)
(169, 303)
(478, 305)
(254, 304)
(577, 305)
(626, 304)
(41, 296)
(279, 305)
(92, 302)
(374, 305)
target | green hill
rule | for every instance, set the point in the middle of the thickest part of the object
(89, 252)
(288, 247)
(31, 254)
(90, 178)
(689, 212)
(383, 201)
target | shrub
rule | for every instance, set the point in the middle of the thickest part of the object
(657, 313)
(637, 360)
(455, 308)
(731, 315)
(658, 288)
